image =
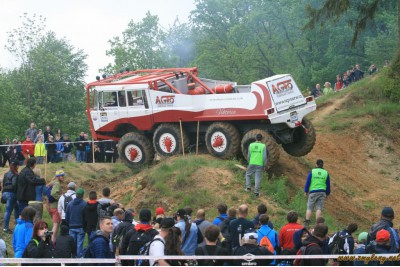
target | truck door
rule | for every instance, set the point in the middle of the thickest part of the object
(139, 110)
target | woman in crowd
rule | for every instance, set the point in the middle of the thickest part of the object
(10, 195)
(189, 230)
(173, 246)
(40, 245)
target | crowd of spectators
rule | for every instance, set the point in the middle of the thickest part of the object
(114, 230)
(342, 81)
(53, 148)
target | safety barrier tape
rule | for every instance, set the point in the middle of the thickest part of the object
(72, 142)
(248, 257)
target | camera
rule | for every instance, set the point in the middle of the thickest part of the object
(48, 233)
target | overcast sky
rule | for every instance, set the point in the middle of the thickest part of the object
(87, 24)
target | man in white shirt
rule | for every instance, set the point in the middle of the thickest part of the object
(157, 247)
(64, 200)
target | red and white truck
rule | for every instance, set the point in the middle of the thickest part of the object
(164, 111)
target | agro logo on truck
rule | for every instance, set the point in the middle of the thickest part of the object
(283, 88)
(285, 93)
(164, 101)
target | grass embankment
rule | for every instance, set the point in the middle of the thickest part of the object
(371, 106)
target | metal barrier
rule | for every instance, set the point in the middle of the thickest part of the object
(249, 257)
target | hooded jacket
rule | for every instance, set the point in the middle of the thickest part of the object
(21, 236)
(74, 214)
(313, 250)
(26, 183)
(90, 216)
(387, 225)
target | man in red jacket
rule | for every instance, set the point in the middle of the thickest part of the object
(287, 231)
(28, 148)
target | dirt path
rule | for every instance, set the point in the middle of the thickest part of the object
(327, 109)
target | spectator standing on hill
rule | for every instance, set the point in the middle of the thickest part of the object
(39, 134)
(5, 153)
(210, 248)
(261, 209)
(327, 88)
(64, 200)
(202, 224)
(238, 226)
(40, 150)
(358, 73)
(31, 132)
(90, 215)
(338, 84)
(23, 231)
(222, 208)
(99, 247)
(372, 69)
(67, 148)
(386, 222)
(51, 149)
(316, 92)
(313, 244)
(74, 218)
(287, 231)
(317, 188)
(59, 149)
(26, 182)
(10, 195)
(80, 148)
(28, 148)
(47, 133)
(257, 157)
(189, 233)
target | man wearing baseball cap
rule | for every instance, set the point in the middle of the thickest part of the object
(380, 246)
(64, 200)
(386, 222)
(54, 189)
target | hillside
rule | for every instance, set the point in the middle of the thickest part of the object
(363, 164)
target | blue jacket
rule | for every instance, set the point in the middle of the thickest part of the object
(40, 191)
(21, 237)
(189, 246)
(74, 213)
(59, 146)
(99, 248)
(218, 220)
(272, 235)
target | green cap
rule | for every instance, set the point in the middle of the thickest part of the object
(80, 192)
(362, 236)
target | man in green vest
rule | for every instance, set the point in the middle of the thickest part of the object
(317, 188)
(257, 157)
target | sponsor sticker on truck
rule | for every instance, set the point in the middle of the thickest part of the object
(285, 93)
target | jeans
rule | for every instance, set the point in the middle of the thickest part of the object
(21, 206)
(79, 236)
(10, 206)
(249, 172)
(80, 156)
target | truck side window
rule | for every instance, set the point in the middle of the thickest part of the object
(137, 99)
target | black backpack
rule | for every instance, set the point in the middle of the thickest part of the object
(138, 240)
(224, 227)
(212, 262)
(145, 251)
(336, 243)
(67, 200)
(87, 253)
(119, 235)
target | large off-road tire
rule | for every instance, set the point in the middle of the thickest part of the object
(135, 150)
(222, 140)
(267, 139)
(167, 140)
(303, 140)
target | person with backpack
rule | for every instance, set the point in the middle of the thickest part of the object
(248, 245)
(156, 248)
(118, 214)
(65, 246)
(9, 194)
(90, 215)
(386, 222)
(222, 208)
(40, 245)
(26, 182)
(202, 224)
(160, 215)
(53, 195)
(312, 245)
(381, 245)
(268, 237)
(23, 231)
(226, 241)
(99, 244)
(74, 218)
(137, 237)
(257, 158)
(342, 242)
(317, 188)
(238, 226)
(211, 248)
(120, 231)
(189, 232)
(360, 247)
(261, 209)
(64, 200)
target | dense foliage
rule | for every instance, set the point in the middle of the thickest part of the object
(240, 40)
